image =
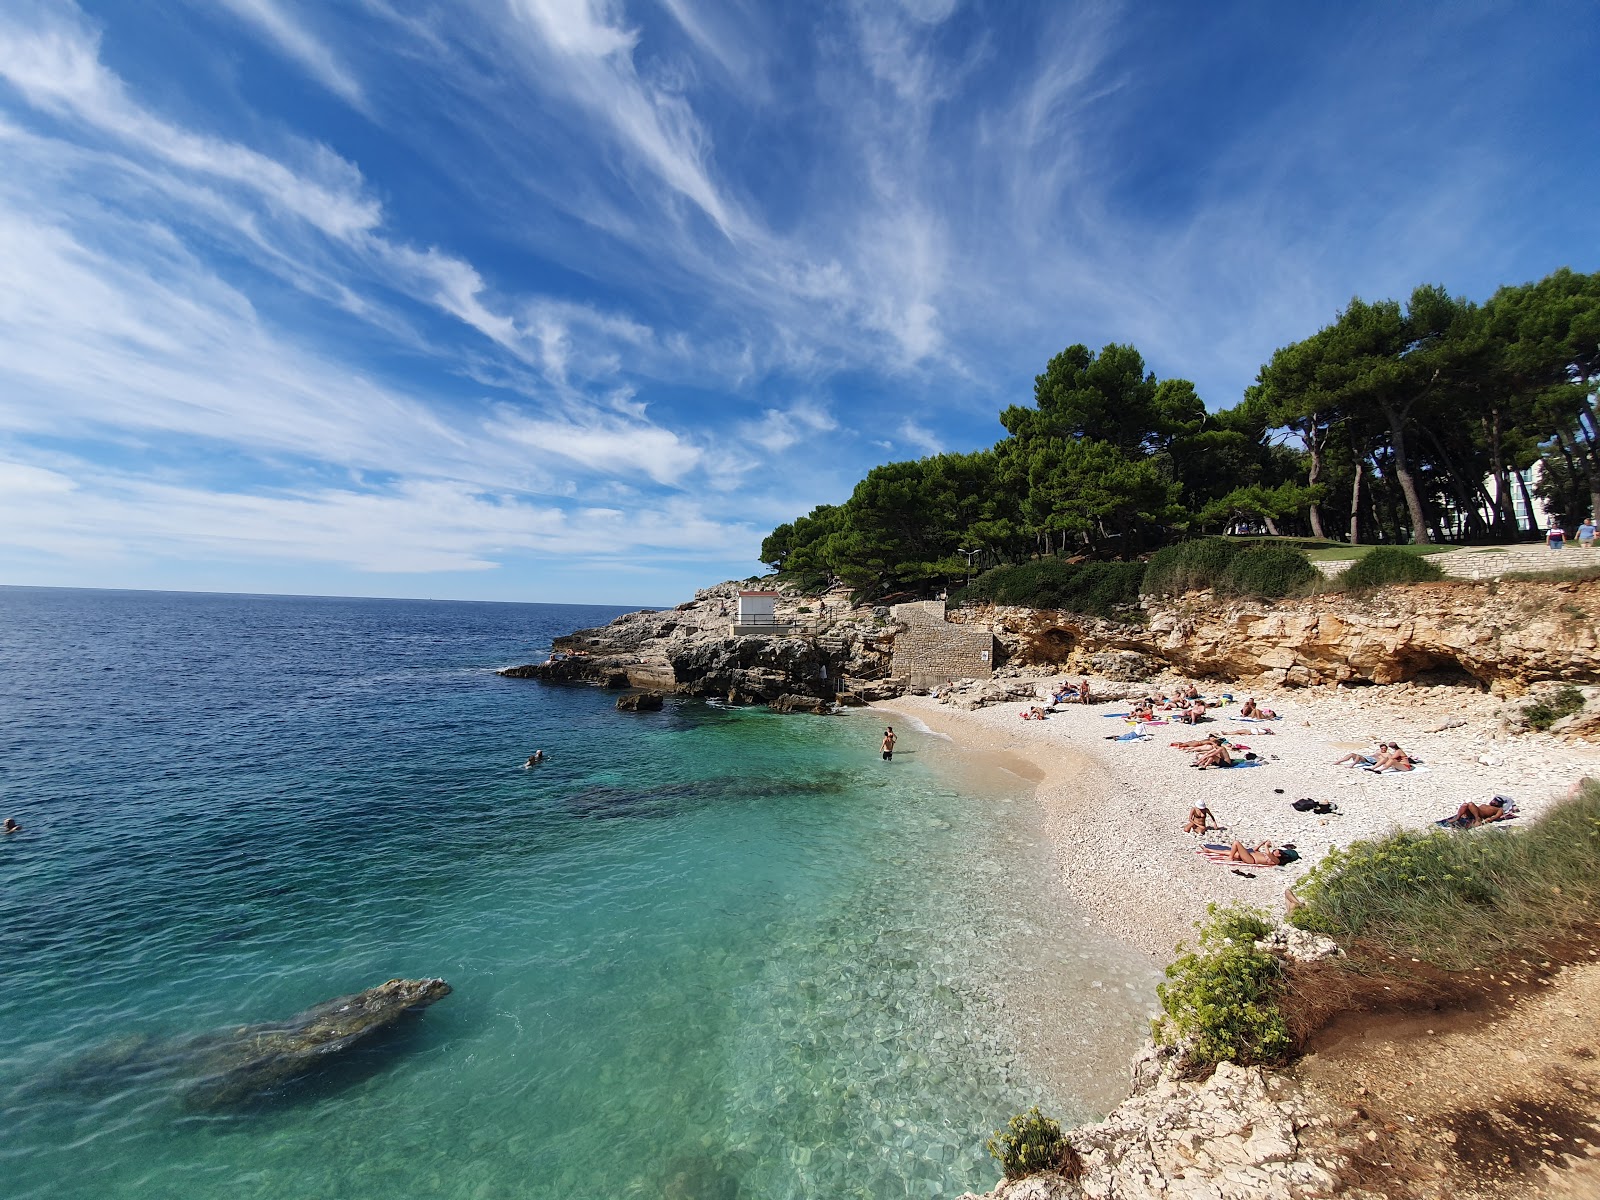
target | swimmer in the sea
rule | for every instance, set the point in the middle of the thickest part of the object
(534, 759)
(11, 826)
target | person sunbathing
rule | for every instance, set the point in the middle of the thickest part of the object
(1391, 758)
(1356, 759)
(1200, 819)
(1216, 756)
(1033, 714)
(1262, 854)
(1251, 709)
(1190, 692)
(1204, 743)
(1470, 816)
(1143, 712)
(1196, 712)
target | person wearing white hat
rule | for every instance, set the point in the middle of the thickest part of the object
(1200, 819)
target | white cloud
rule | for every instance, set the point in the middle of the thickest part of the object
(780, 428)
(604, 444)
(920, 437)
(414, 527)
(299, 44)
(55, 64)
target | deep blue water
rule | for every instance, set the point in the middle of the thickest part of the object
(703, 953)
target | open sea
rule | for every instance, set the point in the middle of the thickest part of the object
(701, 954)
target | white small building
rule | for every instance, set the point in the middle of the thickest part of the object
(757, 613)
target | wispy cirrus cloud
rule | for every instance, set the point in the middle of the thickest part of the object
(275, 22)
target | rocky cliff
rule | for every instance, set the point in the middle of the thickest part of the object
(829, 652)
(1505, 637)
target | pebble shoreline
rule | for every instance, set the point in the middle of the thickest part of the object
(1115, 810)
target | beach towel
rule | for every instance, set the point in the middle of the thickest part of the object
(1214, 853)
(1133, 735)
(1257, 720)
(1239, 766)
(1416, 770)
(1116, 714)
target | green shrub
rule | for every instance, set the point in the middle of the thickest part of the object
(1188, 567)
(1228, 568)
(1032, 1143)
(1544, 713)
(1389, 564)
(1266, 573)
(1100, 589)
(1461, 899)
(1223, 997)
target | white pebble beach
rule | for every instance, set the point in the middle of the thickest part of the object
(1115, 810)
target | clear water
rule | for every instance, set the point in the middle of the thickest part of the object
(704, 953)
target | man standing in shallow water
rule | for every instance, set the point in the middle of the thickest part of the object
(888, 743)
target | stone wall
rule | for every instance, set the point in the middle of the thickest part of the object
(928, 651)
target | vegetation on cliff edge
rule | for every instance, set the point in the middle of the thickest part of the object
(1394, 423)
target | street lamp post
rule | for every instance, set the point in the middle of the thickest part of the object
(970, 554)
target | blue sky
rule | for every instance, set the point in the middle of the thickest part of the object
(576, 299)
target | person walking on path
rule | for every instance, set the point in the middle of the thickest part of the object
(1556, 537)
(1586, 534)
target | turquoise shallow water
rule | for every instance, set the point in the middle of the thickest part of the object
(704, 953)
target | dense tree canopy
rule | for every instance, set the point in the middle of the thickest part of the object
(1395, 422)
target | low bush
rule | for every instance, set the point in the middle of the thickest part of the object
(1222, 998)
(1261, 572)
(1267, 573)
(1187, 567)
(1389, 564)
(1099, 589)
(1542, 714)
(1032, 1143)
(1462, 899)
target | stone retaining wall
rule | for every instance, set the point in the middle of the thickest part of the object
(929, 651)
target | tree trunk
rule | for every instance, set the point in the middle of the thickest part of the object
(1408, 483)
(1271, 528)
(1502, 485)
(1471, 519)
(1591, 461)
(1314, 445)
(1527, 503)
(1355, 504)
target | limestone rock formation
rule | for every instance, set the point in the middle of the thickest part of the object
(640, 702)
(1234, 1136)
(1506, 637)
(834, 654)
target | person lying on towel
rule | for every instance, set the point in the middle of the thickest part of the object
(1470, 816)
(1262, 854)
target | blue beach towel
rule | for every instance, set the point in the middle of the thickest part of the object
(1133, 735)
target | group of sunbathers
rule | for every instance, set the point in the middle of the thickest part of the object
(1068, 693)
(1387, 757)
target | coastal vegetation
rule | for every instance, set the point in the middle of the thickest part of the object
(1459, 900)
(1388, 565)
(1031, 1143)
(1542, 714)
(1220, 1000)
(1100, 589)
(1395, 423)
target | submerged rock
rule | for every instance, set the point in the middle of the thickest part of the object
(227, 1068)
(256, 1057)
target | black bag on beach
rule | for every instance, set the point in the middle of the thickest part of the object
(1305, 805)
